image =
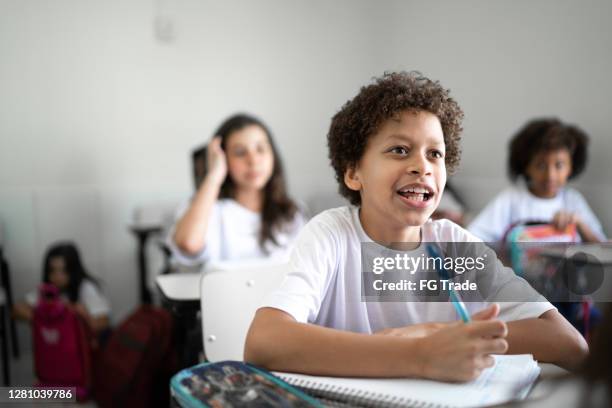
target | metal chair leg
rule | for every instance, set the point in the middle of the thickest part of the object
(8, 288)
(4, 346)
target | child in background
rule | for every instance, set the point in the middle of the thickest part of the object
(391, 147)
(241, 209)
(544, 154)
(63, 268)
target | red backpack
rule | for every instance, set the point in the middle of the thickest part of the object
(62, 349)
(135, 367)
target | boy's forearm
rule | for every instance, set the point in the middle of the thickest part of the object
(282, 347)
(550, 338)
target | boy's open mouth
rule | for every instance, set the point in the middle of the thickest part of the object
(416, 193)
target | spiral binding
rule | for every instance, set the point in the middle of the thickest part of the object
(333, 396)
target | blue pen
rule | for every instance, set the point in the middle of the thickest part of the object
(458, 304)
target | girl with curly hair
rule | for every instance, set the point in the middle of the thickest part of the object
(544, 155)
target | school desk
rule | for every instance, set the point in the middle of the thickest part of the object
(588, 269)
(180, 294)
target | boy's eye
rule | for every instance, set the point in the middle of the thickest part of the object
(399, 150)
(437, 154)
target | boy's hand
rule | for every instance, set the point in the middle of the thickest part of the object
(217, 162)
(460, 351)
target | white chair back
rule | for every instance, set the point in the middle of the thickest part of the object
(229, 298)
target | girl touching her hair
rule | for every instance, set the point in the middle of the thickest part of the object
(241, 209)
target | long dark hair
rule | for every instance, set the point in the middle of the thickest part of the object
(74, 267)
(277, 207)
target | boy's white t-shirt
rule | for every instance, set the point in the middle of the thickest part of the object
(233, 234)
(517, 204)
(323, 284)
(90, 296)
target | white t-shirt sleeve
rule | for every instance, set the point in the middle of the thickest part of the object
(212, 248)
(581, 207)
(499, 284)
(91, 297)
(492, 222)
(510, 311)
(516, 297)
(294, 227)
(311, 267)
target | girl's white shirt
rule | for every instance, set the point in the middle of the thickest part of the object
(233, 235)
(90, 296)
(517, 204)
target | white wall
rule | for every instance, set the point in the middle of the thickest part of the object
(507, 62)
(97, 114)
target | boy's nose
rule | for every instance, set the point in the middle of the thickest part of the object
(420, 165)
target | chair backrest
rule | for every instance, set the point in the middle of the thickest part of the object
(229, 299)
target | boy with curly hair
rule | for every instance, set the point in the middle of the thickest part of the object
(391, 148)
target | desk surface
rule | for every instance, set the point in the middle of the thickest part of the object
(601, 252)
(551, 394)
(181, 287)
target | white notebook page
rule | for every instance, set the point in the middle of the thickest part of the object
(510, 378)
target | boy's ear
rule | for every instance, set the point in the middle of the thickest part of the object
(351, 179)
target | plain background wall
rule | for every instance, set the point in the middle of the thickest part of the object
(102, 101)
(507, 62)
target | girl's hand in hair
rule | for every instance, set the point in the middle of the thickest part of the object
(217, 162)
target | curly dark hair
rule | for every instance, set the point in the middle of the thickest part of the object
(389, 95)
(546, 135)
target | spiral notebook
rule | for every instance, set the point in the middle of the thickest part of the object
(511, 378)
